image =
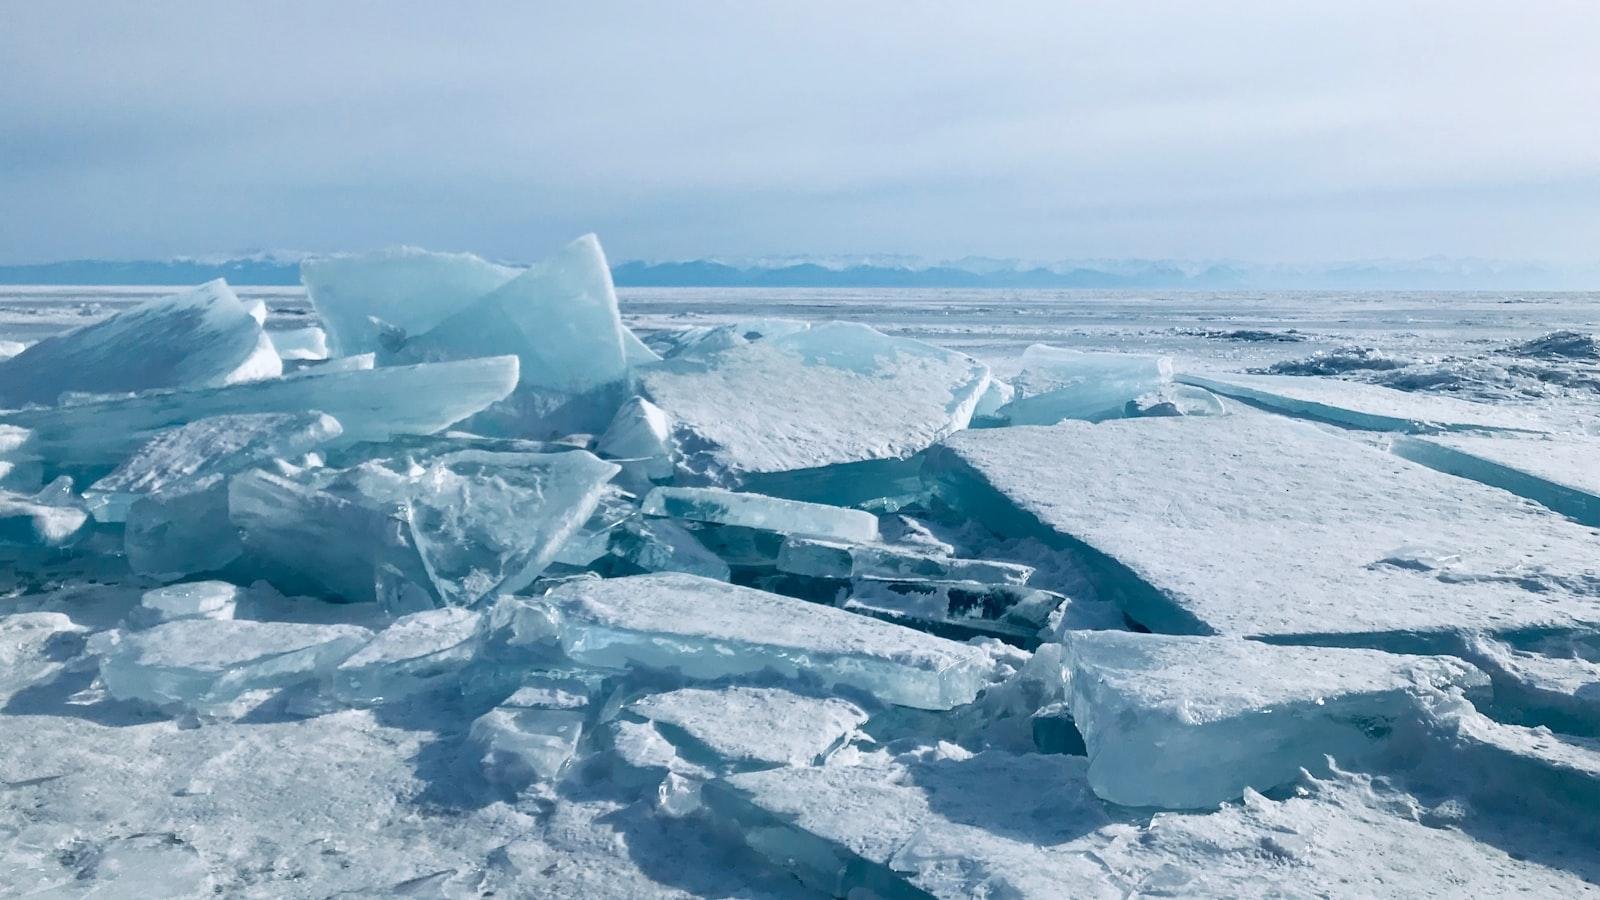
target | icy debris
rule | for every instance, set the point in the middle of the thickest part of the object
(1254, 525)
(1339, 361)
(753, 727)
(706, 629)
(662, 545)
(45, 519)
(405, 288)
(640, 438)
(202, 338)
(204, 665)
(1560, 345)
(824, 558)
(1057, 384)
(1369, 406)
(300, 343)
(1189, 722)
(371, 405)
(834, 393)
(415, 653)
(221, 444)
(191, 600)
(487, 523)
(560, 319)
(1175, 400)
(533, 734)
(746, 510)
(1562, 473)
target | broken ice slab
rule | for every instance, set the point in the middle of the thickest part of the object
(706, 629)
(203, 665)
(701, 341)
(1190, 722)
(996, 395)
(960, 609)
(636, 351)
(640, 438)
(371, 405)
(1558, 686)
(340, 544)
(40, 520)
(1371, 407)
(1175, 400)
(834, 393)
(406, 288)
(191, 600)
(752, 727)
(309, 343)
(994, 824)
(662, 545)
(534, 733)
(1057, 383)
(202, 338)
(221, 444)
(487, 523)
(722, 507)
(824, 558)
(559, 317)
(1562, 473)
(181, 531)
(1256, 525)
(415, 653)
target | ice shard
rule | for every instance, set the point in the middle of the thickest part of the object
(218, 445)
(1562, 473)
(1189, 722)
(534, 733)
(662, 545)
(1255, 525)
(415, 653)
(371, 405)
(752, 727)
(1369, 406)
(834, 393)
(202, 338)
(758, 511)
(706, 629)
(1057, 384)
(203, 665)
(405, 288)
(640, 439)
(959, 609)
(181, 531)
(300, 343)
(824, 558)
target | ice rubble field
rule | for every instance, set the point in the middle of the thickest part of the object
(444, 578)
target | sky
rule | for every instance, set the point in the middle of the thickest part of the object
(1256, 131)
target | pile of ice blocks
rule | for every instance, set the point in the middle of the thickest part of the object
(859, 616)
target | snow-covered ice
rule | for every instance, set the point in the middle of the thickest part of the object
(1561, 472)
(754, 727)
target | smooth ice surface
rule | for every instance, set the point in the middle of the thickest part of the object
(371, 405)
(181, 531)
(1058, 383)
(201, 664)
(1251, 524)
(1371, 406)
(1562, 472)
(833, 393)
(222, 444)
(1189, 722)
(708, 629)
(755, 726)
(489, 523)
(823, 558)
(202, 338)
(759, 511)
(191, 600)
(405, 288)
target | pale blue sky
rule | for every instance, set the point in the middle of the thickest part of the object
(1264, 131)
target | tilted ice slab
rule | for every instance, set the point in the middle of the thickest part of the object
(1562, 473)
(371, 405)
(1027, 826)
(759, 511)
(204, 664)
(824, 558)
(189, 453)
(404, 288)
(1368, 406)
(416, 652)
(202, 338)
(534, 733)
(1189, 722)
(1057, 383)
(753, 726)
(707, 629)
(834, 393)
(1251, 524)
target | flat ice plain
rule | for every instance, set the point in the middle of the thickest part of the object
(1407, 609)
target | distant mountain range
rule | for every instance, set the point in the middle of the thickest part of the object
(899, 272)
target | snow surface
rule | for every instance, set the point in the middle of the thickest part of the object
(1561, 472)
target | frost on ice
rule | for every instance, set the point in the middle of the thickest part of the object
(503, 598)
